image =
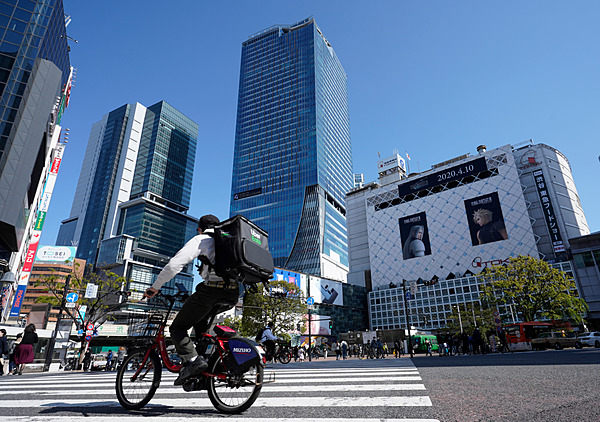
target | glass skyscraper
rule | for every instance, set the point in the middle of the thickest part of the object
(292, 160)
(130, 207)
(35, 73)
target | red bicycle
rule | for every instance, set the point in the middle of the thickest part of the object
(235, 372)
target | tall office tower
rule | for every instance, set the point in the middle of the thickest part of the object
(35, 75)
(133, 193)
(292, 161)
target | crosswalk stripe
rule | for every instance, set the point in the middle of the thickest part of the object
(373, 401)
(200, 419)
(278, 381)
(268, 388)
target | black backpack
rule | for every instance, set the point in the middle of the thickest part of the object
(241, 252)
(259, 335)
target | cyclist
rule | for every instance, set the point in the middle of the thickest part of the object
(199, 305)
(268, 339)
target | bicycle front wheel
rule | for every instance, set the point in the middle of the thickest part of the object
(236, 393)
(138, 379)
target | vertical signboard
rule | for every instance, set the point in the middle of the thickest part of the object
(548, 211)
(36, 233)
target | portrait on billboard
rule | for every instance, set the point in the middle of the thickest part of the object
(414, 236)
(486, 222)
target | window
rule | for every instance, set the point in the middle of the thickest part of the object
(583, 260)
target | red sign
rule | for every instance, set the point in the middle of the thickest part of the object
(55, 165)
(29, 258)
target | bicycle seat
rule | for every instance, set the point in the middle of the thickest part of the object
(222, 306)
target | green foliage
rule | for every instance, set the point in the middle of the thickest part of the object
(280, 302)
(535, 289)
(98, 309)
(470, 312)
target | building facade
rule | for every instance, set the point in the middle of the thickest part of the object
(292, 160)
(585, 252)
(35, 83)
(451, 222)
(130, 207)
(35, 312)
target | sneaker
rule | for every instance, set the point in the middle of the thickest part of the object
(192, 368)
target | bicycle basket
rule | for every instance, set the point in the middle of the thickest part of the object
(146, 324)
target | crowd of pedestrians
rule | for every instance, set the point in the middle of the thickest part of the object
(19, 352)
(474, 344)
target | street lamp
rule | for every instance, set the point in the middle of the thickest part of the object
(8, 278)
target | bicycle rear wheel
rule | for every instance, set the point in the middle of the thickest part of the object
(236, 393)
(138, 379)
(285, 356)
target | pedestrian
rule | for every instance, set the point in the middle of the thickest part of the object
(11, 354)
(121, 356)
(428, 348)
(503, 342)
(344, 346)
(3, 353)
(87, 359)
(465, 343)
(477, 341)
(24, 351)
(109, 357)
(301, 354)
(336, 349)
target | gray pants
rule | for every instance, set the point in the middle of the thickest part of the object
(194, 313)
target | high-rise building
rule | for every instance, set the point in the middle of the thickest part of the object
(35, 82)
(130, 207)
(292, 161)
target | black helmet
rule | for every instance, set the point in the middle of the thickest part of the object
(208, 222)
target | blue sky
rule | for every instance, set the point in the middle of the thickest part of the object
(433, 78)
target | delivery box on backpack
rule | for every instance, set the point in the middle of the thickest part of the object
(242, 251)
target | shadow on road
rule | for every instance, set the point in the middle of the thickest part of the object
(548, 357)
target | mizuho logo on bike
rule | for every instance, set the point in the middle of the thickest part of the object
(246, 350)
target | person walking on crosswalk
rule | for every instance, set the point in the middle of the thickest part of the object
(24, 351)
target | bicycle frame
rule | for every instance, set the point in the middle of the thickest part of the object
(159, 345)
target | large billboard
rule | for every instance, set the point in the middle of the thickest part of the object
(64, 254)
(433, 225)
(326, 291)
(415, 236)
(486, 223)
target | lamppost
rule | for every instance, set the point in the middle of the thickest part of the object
(7, 280)
(459, 318)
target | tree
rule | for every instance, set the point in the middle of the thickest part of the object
(536, 290)
(97, 309)
(472, 314)
(279, 301)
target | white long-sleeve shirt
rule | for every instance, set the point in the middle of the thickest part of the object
(201, 244)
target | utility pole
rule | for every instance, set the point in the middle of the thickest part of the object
(309, 323)
(406, 312)
(50, 351)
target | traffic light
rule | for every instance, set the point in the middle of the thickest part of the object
(330, 324)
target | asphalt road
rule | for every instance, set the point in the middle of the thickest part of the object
(540, 386)
(527, 386)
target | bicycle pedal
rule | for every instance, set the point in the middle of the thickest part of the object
(194, 384)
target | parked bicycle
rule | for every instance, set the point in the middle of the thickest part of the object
(233, 379)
